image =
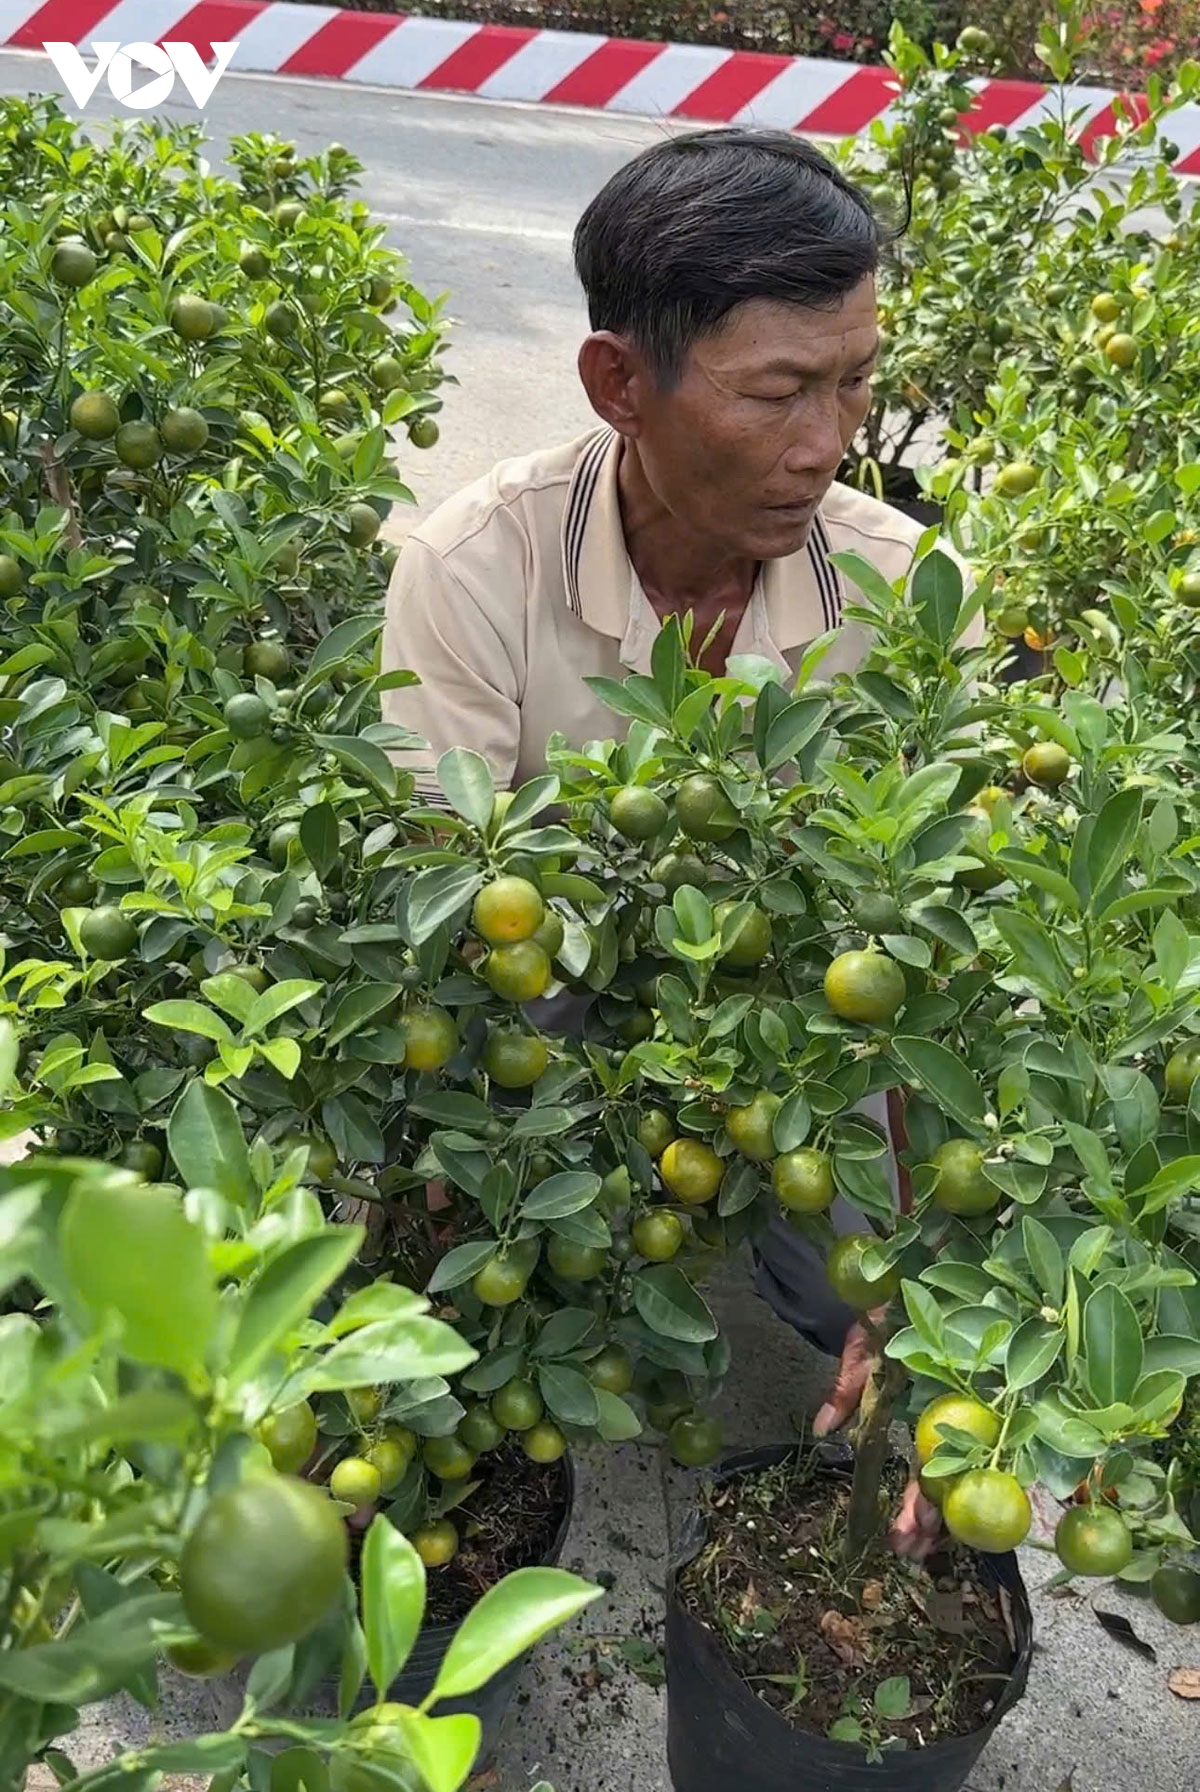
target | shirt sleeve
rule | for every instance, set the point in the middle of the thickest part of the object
(437, 627)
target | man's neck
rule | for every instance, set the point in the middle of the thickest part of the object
(679, 570)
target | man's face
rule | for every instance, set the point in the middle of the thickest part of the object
(745, 445)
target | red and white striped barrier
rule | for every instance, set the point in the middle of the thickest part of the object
(501, 62)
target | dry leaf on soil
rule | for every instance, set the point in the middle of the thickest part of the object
(1185, 1683)
(846, 1637)
(945, 1612)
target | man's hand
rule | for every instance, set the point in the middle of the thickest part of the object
(853, 1374)
(917, 1528)
(918, 1524)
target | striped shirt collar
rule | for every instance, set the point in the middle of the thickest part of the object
(803, 592)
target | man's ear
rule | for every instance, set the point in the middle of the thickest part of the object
(614, 377)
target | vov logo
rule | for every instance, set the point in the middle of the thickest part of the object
(164, 61)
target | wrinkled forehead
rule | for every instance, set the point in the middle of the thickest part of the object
(768, 334)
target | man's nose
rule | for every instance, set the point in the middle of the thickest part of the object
(820, 441)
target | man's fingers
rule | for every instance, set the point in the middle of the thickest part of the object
(828, 1419)
(852, 1375)
(918, 1526)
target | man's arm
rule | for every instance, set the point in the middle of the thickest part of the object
(437, 627)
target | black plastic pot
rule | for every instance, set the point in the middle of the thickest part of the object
(490, 1704)
(719, 1735)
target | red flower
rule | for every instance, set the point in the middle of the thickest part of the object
(843, 41)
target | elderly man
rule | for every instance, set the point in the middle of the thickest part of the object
(730, 284)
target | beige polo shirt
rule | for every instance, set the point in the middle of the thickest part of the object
(514, 591)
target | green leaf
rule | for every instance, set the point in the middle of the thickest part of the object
(449, 1107)
(1034, 956)
(949, 925)
(1024, 867)
(443, 1749)
(1087, 1252)
(529, 802)
(668, 663)
(356, 1007)
(1112, 837)
(286, 1292)
(341, 643)
(284, 1054)
(1134, 901)
(1065, 1432)
(925, 1314)
(151, 1415)
(198, 1754)
(460, 1264)
(319, 838)
(569, 1395)
(438, 894)
(936, 593)
(792, 729)
(1045, 1259)
(466, 781)
(1113, 1345)
(1157, 1396)
(1089, 1149)
(1020, 1182)
(375, 1300)
(131, 1252)
(96, 1657)
(352, 1126)
(951, 1084)
(271, 1676)
(206, 1141)
(393, 1600)
(359, 755)
(277, 1001)
(569, 1191)
(670, 1306)
(637, 698)
(893, 1697)
(295, 1770)
(792, 1123)
(230, 993)
(867, 576)
(1033, 1349)
(845, 1729)
(565, 1331)
(1172, 949)
(402, 1349)
(188, 1017)
(1167, 1351)
(1174, 1180)
(507, 1621)
(617, 1422)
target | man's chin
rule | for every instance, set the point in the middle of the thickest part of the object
(784, 532)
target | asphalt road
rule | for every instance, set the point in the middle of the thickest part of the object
(482, 197)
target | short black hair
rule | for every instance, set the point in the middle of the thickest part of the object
(699, 224)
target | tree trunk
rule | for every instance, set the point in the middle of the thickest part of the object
(865, 1517)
